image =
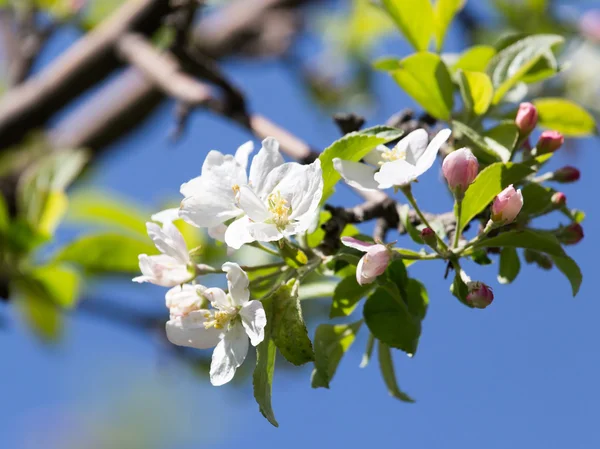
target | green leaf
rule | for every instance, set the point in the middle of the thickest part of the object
(486, 149)
(511, 64)
(58, 284)
(346, 296)
(386, 365)
(352, 147)
(475, 59)
(459, 287)
(565, 116)
(262, 379)
(404, 219)
(510, 265)
(106, 253)
(43, 317)
(315, 238)
(366, 358)
(425, 77)
(389, 319)
(444, 12)
(570, 269)
(4, 216)
(331, 343)
(289, 331)
(526, 238)
(414, 18)
(100, 209)
(319, 289)
(489, 183)
(98, 10)
(536, 200)
(504, 134)
(476, 90)
(417, 298)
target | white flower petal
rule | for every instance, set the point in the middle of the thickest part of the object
(162, 270)
(427, 159)
(211, 208)
(183, 299)
(237, 282)
(356, 174)
(265, 232)
(254, 321)
(374, 156)
(252, 205)
(415, 145)
(263, 163)
(168, 240)
(166, 216)
(228, 355)
(238, 234)
(396, 173)
(190, 331)
(218, 232)
(218, 298)
(351, 242)
(243, 152)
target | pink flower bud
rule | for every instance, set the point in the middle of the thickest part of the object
(549, 142)
(428, 236)
(372, 264)
(570, 235)
(460, 169)
(590, 24)
(527, 118)
(480, 295)
(566, 174)
(507, 205)
(559, 199)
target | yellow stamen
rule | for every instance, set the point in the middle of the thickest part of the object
(279, 209)
(394, 154)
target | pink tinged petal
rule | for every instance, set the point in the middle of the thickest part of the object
(237, 283)
(427, 159)
(169, 241)
(166, 216)
(242, 154)
(415, 145)
(181, 300)
(252, 205)
(228, 355)
(254, 321)
(356, 174)
(218, 298)
(372, 264)
(163, 270)
(507, 205)
(267, 159)
(190, 330)
(357, 244)
(396, 173)
(237, 233)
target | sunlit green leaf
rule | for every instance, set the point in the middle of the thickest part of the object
(414, 18)
(331, 343)
(475, 59)
(526, 238)
(347, 295)
(444, 12)
(565, 116)
(486, 149)
(56, 283)
(476, 90)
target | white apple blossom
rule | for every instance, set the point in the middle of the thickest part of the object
(276, 200)
(233, 319)
(399, 166)
(173, 266)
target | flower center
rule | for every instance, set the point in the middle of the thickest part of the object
(220, 319)
(280, 211)
(394, 154)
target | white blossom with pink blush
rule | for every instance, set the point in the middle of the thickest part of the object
(173, 266)
(373, 264)
(399, 166)
(507, 205)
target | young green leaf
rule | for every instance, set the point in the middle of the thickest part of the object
(58, 284)
(526, 238)
(565, 116)
(388, 317)
(347, 295)
(486, 149)
(475, 59)
(489, 183)
(4, 217)
(414, 18)
(476, 90)
(511, 64)
(425, 77)
(262, 379)
(352, 147)
(331, 343)
(444, 12)
(289, 331)
(510, 265)
(106, 253)
(386, 365)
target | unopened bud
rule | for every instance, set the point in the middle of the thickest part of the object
(559, 199)
(570, 235)
(549, 142)
(373, 263)
(460, 169)
(507, 205)
(480, 295)
(566, 174)
(428, 236)
(527, 118)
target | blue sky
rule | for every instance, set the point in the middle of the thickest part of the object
(522, 373)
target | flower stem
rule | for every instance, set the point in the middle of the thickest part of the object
(264, 248)
(263, 267)
(457, 231)
(411, 199)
